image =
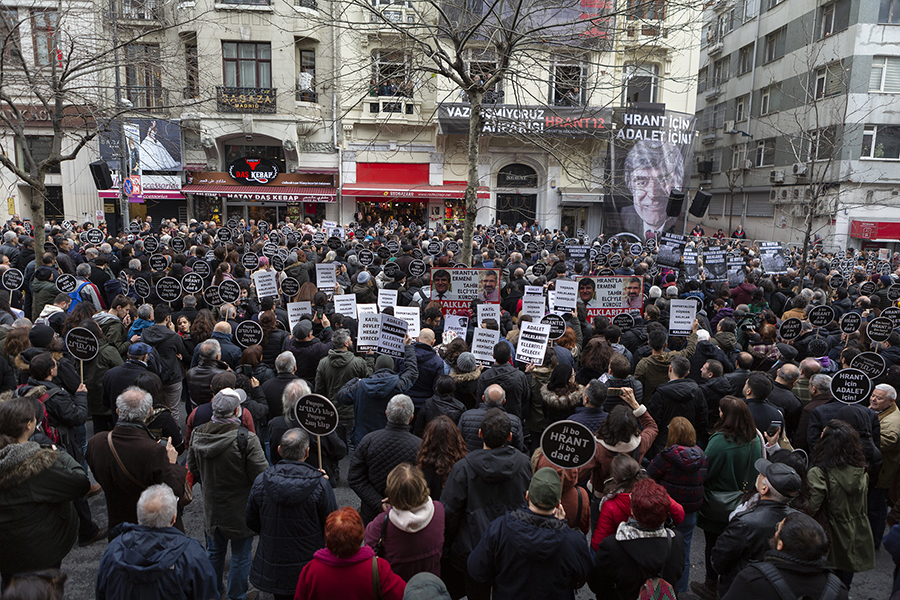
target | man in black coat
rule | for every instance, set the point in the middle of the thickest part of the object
(678, 397)
(308, 349)
(171, 350)
(199, 378)
(782, 398)
(738, 377)
(515, 383)
(704, 351)
(118, 379)
(470, 421)
(273, 389)
(756, 391)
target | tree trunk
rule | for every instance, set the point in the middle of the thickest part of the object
(806, 236)
(38, 197)
(476, 122)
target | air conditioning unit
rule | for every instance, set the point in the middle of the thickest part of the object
(783, 194)
(773, 195)
(748, 164)
(715, 48)
(799, 169)
(729, 126)
(776, 176)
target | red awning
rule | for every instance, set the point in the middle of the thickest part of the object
(386, 192)
(263, 193)
(875, 230)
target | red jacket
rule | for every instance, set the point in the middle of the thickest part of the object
(327, 577)
(617, 510)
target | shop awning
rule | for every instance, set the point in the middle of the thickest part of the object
(265, 193)
(388, 191)
(875, 230)
(147, 194)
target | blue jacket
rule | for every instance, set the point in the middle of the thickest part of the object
(151, 564)
(138, 326)
(287, 507)
(231, 353)
(589, 416)
(430, 365)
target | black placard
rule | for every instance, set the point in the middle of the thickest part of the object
(51, 248)
(366, 257)
(393, 246)
(318, 238)
(316, 414)
(539, 269)
(248, 333)
(623, 321)
(867, 288)
(278, 263)
(168, 289)
(557, 325)
(870, 363)
(636, 249)
(229, 291)
(276, 238)
(453, 246)
(263, 227)
(211, 295)
(893, 292)
(159, 262)
(250, 261)
(142, 287)
(434, 247)
(790, 328)
(82, 344)
(892, 313)
(151, 244)
(391, 269)
(820, 316)
(417, 254)
(383, 252)
(334, 242)
(270, 249)
(615, 261)
(82, 237)
(606, 249)
(179, 244)
(192, 283)
(290, 286)
(134, 227)
(851, 386)
(417, 268)
(201, 268)
(66, 283)
(12, 279)
(850, 322)
(95, 236)
(836, 281)
(878, 330)
(568, 444)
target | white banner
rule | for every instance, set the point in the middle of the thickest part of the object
(410, 314)
(488, 311)
(266, 284)
(457, 323)
(369, 325)
(345, 304)
(362, 309)
(566, 294)
(534, 306)
(681, 316)
(386, 298)
(295, 310)
(533, 340)
(483, 343)
(326, 276)
(391, 335)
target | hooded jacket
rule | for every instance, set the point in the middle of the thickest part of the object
(803, 578)
(155, 564)
(682, 471)
(44, 291)
(527, 555)
(654, 369)
(231, 353)
(52, 316)
(626, 560)
(227, 474)
(466, 384)
(336, 369)
(107, 358)
(481, 487)
(513, 381)
(842, 492)
(66, 412)
(37, 518)
(327, 576)
(676, 398)
(713, 390)
(115, 332)
(559, 407)
(307, 354)
(726, 341)
(168, 344)
(413, 539)
(436, 406)
(287, 507)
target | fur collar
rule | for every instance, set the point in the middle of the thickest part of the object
(630, 530)
(568, 401)
(465, 377)
(21, 462)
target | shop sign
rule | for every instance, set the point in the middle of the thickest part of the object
(253, 170)
(511, 119)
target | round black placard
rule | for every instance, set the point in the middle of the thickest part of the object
(168, 289)
(557, 325)
(159, 262)
(878, 330)
(568, 444)
(250, 261)
(870, 363)
(82, 344)
(12, 279)
(820, 316)
(290, 286)
(201, 268)
(142, 287)
(66, 283)
(851, 386)
(192, 283)
(248, 333)
(229, 291)
(790, 328)
(316, 414)
(850, 322)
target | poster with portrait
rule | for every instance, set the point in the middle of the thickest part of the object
(670, 250)
(153, 144)
(691, 264)
(609, 296)
(650, 156)
(456, 288)
(736, 273)
(772, 258)
(714, 267)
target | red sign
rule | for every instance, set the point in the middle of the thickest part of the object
(875, 230)
(253, 171)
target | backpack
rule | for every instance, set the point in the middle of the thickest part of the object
(76, 296)
(113, 288)
(657, 588)
(44, 422)
(768, 570)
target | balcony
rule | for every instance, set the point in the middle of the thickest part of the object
(140, 10)
(243, 3)
(394, 109)
(306, 95)
(148, 98)
(310, 4)
(245, 100)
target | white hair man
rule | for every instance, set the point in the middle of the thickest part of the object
(884, 403)
(172, 565)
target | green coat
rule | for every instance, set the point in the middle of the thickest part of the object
(844, 497)
(653, 371)
(116, 333)
(45, 293)
(731, 468)
(336, 369)
(107, 358)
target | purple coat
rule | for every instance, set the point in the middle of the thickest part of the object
(411, 553)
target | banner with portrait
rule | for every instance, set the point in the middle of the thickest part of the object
(670, 249)
(609, 296)
(650, 156)
(772, 258)
(455, 288)
(714, 267)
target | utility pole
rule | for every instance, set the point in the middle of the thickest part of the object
(123, 144)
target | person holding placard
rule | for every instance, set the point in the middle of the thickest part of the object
(336, 369)
(171, 349)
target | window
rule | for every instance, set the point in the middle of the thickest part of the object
(881, 142)
(43, 26)
(833, 17)
(774, 45)
(641, 83)
(821, 143)
(889, 11)
(646, 10)
(751, 7)
(390, 72)
(192, 69)
(306, 78)
(481, 66)
(721, 70)
(765, 153)
(745, 59)
(885, 75)
(701, 80)
(141, 9)
(719, 114)
(247, 64)
(829, 80)
(568, 84)
(724, 24)
(716, 158)
(826, 20)
(740, 108)
(143, 76)
(39, 147)
(737, 156)
(9, 36)
(765, 99)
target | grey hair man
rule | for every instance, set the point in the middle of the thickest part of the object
(379, 452)
(86, 290)
(470, 421)
(231, 352)
(883, 403)
(168, 558)
(199, 378)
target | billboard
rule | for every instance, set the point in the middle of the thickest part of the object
(455, 288)
(153, 145)
(609, 296)
(649, 156)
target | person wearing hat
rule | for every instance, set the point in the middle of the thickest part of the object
(746, 538)
(364, 287)
(227, 458)
(881, 293)
(513, 543)
(308, 349)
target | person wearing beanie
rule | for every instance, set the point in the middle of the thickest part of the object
(881, 294)
(308, 349)
(539, 534)
(227, 458)
(466, 375)
(364, 288)
(561, 396)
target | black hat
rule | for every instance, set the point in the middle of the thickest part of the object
(783, 478)
(787, 352)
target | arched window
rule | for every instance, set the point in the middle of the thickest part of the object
(517, 176)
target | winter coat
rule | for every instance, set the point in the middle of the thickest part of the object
(37, 518)
(653, 370)
(575, 499)
(803, 578)
(890, 445)
(307, 354)
(746, 539)
(617, 510)
(513, 381)
(52, 316)
(560, 407)
(327, 577)
(598, 467)
(168, 344)
(375, 456)
(821, 416)
(466, 385)
(482, 486)
(413, 540)
(231, 353)
(336, 369)
(107, 358)
(199, 379)
(763, 413)
(535, 420)
(227, 474)
(626, 560)
(365, 294)
(682, 471)
(115, 332)
(589, 416)
(429, 366)
(526, 555)
(155, 564)
(434, 408)
(67, 412)
(705, 351)
(842, 493)
(676, 398)
(730, 469)
(470, 422)
(138, 326)
(117, 379)
(287, 507)
(713, 390)
(727, 342)
(629, 382)
(45, 293)
(272, 347)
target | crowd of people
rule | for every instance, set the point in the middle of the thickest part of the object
(731, 429)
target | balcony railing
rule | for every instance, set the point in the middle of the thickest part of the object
(307, 4)
(150, 98)
(245, 2)
(140, 10)
(392, 104)
(306, 95)
(245, 100)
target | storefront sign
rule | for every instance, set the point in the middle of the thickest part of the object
(254, 170)
(510, 119)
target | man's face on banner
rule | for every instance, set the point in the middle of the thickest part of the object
(586, 290)
(633, 289)
(650, 188)
(441, 283)
(490, 283)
